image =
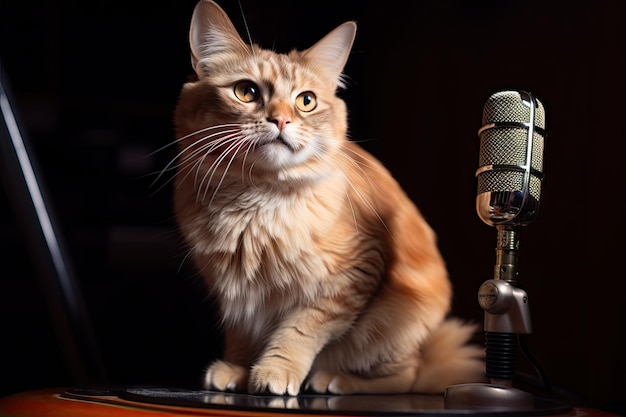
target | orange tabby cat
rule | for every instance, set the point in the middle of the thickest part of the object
(327, 276)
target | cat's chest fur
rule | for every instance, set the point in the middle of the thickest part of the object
(262, 244)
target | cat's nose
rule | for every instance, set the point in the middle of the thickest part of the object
(279, 121)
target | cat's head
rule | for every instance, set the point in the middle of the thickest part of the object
(257, 110)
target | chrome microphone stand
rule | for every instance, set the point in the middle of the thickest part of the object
(507, 315)
(507, 312)
(509, 181)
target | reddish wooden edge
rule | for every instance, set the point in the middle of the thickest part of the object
(50, 403)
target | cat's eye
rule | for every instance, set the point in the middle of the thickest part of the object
(246, 91)
(306, 101)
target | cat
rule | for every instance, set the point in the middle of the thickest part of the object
(327, 277)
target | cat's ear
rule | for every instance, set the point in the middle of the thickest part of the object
(332, 50)
(211, 33)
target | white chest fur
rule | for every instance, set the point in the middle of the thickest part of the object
(260, 246)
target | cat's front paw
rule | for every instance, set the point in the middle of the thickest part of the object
(275, 377)
(225, 376)
(324, 382)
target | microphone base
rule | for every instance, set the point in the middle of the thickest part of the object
(487, 396)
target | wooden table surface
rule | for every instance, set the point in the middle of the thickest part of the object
(56, 403)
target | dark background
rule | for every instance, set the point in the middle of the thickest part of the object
(95, 86)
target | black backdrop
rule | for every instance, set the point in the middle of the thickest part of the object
(96, 85)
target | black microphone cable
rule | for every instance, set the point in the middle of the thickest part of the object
(532, 359)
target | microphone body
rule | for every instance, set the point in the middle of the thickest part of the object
(509, 180)
(510, 159)
(509, 186)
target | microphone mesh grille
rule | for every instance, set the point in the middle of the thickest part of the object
(508, 145)
(507, 106)
(503, 146)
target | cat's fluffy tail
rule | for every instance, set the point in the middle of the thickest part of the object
(448, 358)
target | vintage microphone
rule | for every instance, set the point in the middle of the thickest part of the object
(509, 185)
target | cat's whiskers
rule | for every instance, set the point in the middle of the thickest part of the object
(191, 166)
(370, 205)
(322, 157)
(369, 165)
(207, 150)
(203, 173)
(251, 145)
(358, 166)
(250, 177)
(199, 269)
(187, 256)
(235, 146)
(235, 154)
(245, 23)
(355, 167)
(196, 132)
(356, 223)
(171, 166)
(191, 163)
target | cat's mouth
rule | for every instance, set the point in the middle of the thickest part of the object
(281, 140)
(277, 140)
(284, 141)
